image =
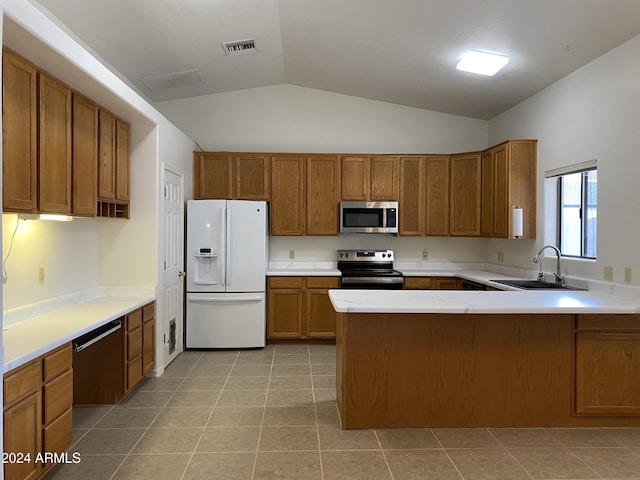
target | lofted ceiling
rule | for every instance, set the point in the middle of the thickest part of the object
(401, 51)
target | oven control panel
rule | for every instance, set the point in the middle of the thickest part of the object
(365, 255)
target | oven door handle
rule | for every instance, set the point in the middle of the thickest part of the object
(372, 280)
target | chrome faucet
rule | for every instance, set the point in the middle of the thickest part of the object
(558, 274)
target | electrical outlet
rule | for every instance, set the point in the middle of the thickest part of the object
(41, 275)
(425, 254)
(292, 254)
(500, 257)
(608, 274)
(627, 275)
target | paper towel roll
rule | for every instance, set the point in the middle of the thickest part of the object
(516, 222)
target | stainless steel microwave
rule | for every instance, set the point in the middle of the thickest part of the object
(368, 217)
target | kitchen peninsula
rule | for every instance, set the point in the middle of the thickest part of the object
(486, 359)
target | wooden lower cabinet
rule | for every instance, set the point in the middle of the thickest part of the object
(38, 401)
(299, 308)
(139, 349)
(431, 283)
(607, 360)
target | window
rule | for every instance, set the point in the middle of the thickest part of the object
(578, 212)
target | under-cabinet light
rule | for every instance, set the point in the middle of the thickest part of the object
(482, 63)
(45, 216)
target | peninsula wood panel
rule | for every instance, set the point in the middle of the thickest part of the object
(19, 134)
(437, 195)
(286, 209)
(437, 370)
(54, 146)
(85, 157)
(323, 194)
(411, 203)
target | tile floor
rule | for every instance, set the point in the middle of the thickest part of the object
(271, 414)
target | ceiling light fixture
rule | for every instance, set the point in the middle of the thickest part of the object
(482, 63)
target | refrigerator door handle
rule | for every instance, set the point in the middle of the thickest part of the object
(223, 234)
(229, 246)
(227, 297)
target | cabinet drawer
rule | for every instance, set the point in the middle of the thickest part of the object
(24, 381)
(57, 435)
(609, 322)
(148, 312)
(418, 283)
(134, 372)
(57, 362)
(134, 320)
(285, 282)
(323, 282)
(134, 343)
(58, 396)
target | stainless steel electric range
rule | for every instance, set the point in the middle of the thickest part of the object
(369, 269)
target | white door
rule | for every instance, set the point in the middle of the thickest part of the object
(246, 246)
(172, 294)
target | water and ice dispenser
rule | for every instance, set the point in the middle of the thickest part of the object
(205, 266)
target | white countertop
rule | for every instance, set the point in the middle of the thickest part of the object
(303, 272)
(472, 301)
(28, 339)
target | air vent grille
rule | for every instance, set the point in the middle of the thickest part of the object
(239, 46)
(172, 80)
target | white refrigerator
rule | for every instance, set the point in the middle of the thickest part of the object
(226, 264)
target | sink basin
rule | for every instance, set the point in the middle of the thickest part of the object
(535, 285)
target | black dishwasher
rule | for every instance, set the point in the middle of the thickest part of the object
(471, 285)
(98, 372)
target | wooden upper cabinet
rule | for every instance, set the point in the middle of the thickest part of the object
(85, 157)
(323, 194)
(122, 161)
(486, 205)
(508, 181)
(411, 203)
(287, 210)
(251, 173)
(355, 178)
(19, 135)
(212, 175)
(384, 179)
(106, 156)
(465, 194)
(54, 146)
(369, 178)
(437, 195)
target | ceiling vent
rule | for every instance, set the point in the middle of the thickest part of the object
(239, 46)
(172, 80)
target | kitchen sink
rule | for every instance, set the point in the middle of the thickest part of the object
(535, 285)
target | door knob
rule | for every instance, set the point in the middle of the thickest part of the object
(181, 274)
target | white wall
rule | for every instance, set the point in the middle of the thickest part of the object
(590, 114)
(288, 118)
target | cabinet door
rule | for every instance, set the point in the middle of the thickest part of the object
(287, 212)
(285, 313)
(23, 435)
(19, 134)
(148, 346)
(501, 205)
(85, 157)
(446, 284)
(384, 179)
(321, 317)
(412, 196)
(106, 156)
(418, 283)
(607, 372)
(465, 195)
(323, 195)
(486, 207)
(355, 177)
(251, 174)
(122, 161)
(54, 147)
(437, 196)
(212, 173)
